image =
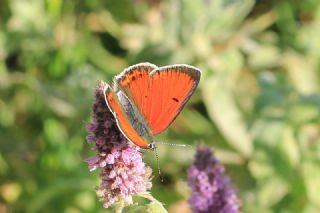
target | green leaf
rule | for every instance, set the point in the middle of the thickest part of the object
(6, 114)
(301, 72)
(55, 132)
(266, 194)
(134, 209)
(56, 189)
(302, 113)
(311, 173)
(3, 165)
(156, 207)
(118, 207)
(264, 57)
(227, 63)
(312, 208)
(260, 165)
(289, 147)
(153, 207)
(224, 112)
(267, 131)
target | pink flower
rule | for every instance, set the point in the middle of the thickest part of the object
(123, 172)
(212, 190)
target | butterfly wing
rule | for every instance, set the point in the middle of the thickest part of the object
(170, 88)
(122, 120)
(159, 93)
(134, 82)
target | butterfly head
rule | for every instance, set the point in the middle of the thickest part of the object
(152, 146)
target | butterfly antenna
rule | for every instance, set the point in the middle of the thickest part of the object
(158, 162)
(174, 144)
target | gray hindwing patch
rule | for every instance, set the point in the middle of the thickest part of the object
(133, 114)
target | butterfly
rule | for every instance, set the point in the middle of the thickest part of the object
(146, 99)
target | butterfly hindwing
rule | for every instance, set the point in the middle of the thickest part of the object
(122, 119)
(134, 116)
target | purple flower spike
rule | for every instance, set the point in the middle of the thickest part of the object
(212, 191)
(123, 173)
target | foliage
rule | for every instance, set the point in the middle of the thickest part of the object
(257, 104)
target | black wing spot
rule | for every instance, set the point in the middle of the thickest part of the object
(133, 78)
(175, 99)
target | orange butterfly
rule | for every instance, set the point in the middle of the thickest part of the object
(145, 99)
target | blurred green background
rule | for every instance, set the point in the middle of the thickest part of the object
(257, 104)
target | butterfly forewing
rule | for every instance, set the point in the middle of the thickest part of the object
(170, 88)
(134, 81)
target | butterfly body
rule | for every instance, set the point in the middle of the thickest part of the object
(146, 99)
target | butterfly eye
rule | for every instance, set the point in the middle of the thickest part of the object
(152, 146)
